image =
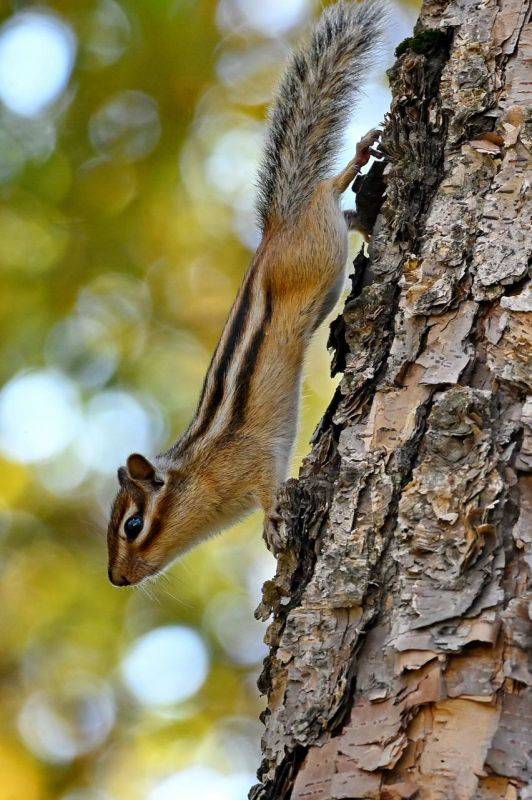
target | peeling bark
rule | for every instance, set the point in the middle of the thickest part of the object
(400, 626)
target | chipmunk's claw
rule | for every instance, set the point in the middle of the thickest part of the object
(365, 145)
(273, 531)
(368, 146)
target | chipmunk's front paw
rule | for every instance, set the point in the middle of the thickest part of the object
(274, 531)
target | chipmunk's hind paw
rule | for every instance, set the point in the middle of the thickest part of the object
(364, 150)
(368, 146)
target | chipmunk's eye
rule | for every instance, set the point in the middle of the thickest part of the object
(133, 526)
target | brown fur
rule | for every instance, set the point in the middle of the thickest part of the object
(235, 453)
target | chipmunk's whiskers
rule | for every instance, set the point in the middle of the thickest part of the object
(164, 583)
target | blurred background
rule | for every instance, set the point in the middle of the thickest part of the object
(129, 136)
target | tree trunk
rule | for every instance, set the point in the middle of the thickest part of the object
(398, 666)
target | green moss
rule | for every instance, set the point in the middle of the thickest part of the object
(426, 42)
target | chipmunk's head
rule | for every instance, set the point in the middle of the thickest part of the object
(151, 522)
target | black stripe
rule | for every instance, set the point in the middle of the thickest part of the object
(222, 367)
(154, 531)
(138, 494)
(163, 504)
(247, 370)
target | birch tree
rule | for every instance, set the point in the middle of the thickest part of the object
(399, 618)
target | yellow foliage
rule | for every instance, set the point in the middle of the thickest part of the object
(14, 479)
(20, 778)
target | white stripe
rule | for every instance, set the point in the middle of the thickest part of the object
(210, 384)
(223, 414)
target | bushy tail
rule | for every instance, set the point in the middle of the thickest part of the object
(314, 101)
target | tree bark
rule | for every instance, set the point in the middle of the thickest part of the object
(398, 640)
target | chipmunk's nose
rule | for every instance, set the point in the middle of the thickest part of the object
(117, 580)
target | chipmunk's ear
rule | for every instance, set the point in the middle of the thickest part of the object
(139, 468)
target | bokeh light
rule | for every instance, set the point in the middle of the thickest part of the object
(81, 347)
(109, 33)
(271, 19)
(39, 415)
(37, 52)
(166, 665)
(60, 729)
(116, 424)
(230, 616)
(205, 783)
(127, 127)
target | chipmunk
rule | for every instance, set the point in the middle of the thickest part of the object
(235, 452)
